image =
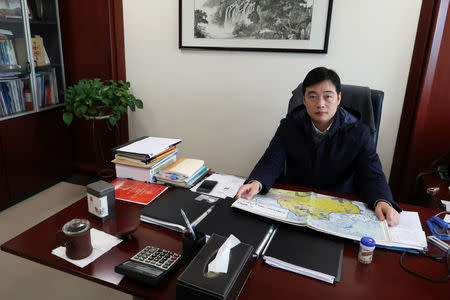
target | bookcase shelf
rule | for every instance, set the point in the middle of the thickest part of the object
(32, 82)
(30, 50)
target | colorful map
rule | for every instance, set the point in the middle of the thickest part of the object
(337, 216)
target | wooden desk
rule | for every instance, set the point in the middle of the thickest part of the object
(383, 278)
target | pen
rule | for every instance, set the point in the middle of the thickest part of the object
(202, 216)
(189, 227)
(264, 241)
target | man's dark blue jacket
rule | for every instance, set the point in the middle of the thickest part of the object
(345, 161)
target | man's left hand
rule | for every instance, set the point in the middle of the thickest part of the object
(386, 212)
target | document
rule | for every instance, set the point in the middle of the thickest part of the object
(227, 185)
(408, 233)
(150, 146)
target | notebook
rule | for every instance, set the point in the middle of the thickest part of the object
(165, 211)
(225, 220)
(306, 252)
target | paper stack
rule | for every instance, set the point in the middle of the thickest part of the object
(143, 158)
(185, 172)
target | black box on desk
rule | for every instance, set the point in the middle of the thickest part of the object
(196, 283)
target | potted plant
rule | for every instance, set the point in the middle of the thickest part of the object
(96, 99)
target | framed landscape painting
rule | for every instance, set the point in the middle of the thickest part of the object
(255, 25)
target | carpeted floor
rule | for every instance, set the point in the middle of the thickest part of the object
(24, 279)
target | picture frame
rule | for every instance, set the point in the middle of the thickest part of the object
(250, 25)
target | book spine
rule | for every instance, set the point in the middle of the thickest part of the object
(195, 177)
(166, 163)
(163, 161)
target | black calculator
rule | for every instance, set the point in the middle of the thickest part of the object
(149, 266)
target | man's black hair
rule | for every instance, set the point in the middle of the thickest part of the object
(320, 74)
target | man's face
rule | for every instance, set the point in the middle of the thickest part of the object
(321, 101)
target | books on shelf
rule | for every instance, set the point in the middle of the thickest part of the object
(305, 252)
(39, 53)
(11, 97)
(46, 88)
(332, 215)
(8, 59)
(136, 191)
(10, 9)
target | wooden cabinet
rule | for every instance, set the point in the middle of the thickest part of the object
(31, 66)
(4, 189)
(36, 151)
(35, 145)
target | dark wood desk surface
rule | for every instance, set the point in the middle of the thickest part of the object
(383, 278)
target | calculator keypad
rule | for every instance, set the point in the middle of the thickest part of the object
(156, 257)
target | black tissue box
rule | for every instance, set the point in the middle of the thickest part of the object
(196, 283)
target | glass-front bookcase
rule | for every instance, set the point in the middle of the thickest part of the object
(31, 61)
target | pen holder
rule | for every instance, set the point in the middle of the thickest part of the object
(191, 247)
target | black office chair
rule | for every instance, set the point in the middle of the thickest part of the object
(366, 101)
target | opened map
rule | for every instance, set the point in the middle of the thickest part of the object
(337, 216)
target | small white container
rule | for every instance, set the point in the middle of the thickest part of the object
(366, 248)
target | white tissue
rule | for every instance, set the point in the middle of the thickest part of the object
(220, 263)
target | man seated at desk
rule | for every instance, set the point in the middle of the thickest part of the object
(325, 147)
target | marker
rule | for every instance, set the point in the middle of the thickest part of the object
(188, 225)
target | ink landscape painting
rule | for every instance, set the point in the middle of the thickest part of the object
(280, 25)
(253, 19)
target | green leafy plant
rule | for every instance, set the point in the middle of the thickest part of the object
(94, 98)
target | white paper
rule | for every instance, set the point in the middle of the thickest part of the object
(227, 185)
(409, 231)
(447, 218)
(279, 213)
(101, 243)
(220, 263)
(150, 146)
(446, 204)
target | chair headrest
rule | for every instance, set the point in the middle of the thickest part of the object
(354, 97)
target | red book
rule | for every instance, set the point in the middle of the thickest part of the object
(136, 191)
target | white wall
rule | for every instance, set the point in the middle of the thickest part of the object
(226, 105)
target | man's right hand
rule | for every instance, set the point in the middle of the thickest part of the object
(247, 191)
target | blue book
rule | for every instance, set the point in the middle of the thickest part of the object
(6, 97)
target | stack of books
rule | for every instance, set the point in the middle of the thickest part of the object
(141, 159)
(185, 172)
